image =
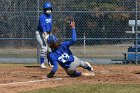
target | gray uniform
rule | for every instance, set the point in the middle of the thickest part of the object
(77, 63)
(43, 46)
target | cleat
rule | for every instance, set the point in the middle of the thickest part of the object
(42, 66)
(50, 64)
(89, 67)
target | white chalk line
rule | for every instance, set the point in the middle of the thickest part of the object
(15, 83)
(25, 82)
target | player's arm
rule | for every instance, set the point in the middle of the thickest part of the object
(73, 39)
(55, 68)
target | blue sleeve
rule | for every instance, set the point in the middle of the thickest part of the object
(55, 68)
(55, 65)
(73, 39)
(42, 23)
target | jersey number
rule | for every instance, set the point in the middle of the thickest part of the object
(63, 58)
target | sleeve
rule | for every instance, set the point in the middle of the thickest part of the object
(55, 68)
(73, 39)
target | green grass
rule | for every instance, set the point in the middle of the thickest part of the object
(92, 88)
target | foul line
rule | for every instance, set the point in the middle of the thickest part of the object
(32, 81)
(14, 83)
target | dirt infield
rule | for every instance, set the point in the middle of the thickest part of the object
(18, 77)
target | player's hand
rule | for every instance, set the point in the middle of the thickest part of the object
(50, 75)
(45, 36)
(72, 24)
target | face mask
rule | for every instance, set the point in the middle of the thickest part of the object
(48, 11)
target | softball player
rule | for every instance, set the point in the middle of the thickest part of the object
(62, 54)
(43, 32)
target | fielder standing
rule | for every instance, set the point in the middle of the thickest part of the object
(43, 31)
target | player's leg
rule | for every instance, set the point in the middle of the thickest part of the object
(73, 73)
(43, 49)
(78, 63)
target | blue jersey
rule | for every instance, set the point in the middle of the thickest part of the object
(45, 23)
(63, 54)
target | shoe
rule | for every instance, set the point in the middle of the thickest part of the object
(89, 67)
(50, 64)
(42, 65)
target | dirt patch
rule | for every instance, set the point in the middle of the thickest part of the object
(15, 78)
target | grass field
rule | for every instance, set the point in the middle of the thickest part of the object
(92, 88)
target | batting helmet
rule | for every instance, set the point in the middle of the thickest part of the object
(52, 39)
(47, 5)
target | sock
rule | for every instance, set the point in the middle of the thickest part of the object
(87, 67)
(76, 74)
(42, 60)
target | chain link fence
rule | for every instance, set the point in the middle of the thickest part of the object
(101, 27)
